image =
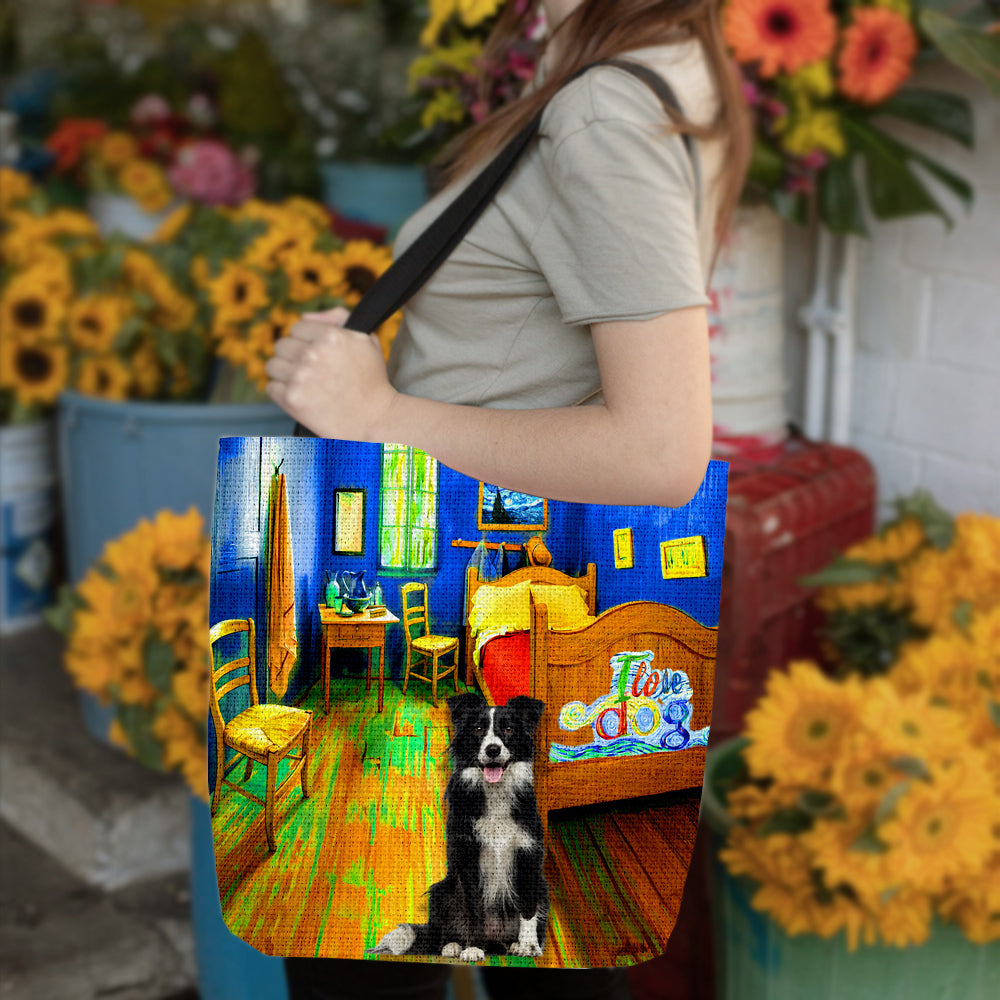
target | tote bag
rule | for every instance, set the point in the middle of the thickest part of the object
(410, 762)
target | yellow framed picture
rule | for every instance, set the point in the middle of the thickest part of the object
(624, 552)
(683, 557)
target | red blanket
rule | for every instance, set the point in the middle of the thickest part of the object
(506, 663)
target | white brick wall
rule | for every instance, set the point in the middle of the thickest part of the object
(926, 392)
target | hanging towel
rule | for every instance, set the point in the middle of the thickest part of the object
(282, 643)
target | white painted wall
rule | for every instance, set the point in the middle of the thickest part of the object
(926, 395)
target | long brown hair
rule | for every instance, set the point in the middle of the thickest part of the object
(604, 29)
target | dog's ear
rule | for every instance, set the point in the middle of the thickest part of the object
(530, 709)
(462, 705)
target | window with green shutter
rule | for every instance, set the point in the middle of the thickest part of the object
(408, 509)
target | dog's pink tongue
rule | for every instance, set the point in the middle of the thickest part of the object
(493, 774)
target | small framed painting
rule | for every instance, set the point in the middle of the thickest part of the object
(508, 510)
(349, 522)
(624, 555)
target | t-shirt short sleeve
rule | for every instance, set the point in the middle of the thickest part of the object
(620, 238)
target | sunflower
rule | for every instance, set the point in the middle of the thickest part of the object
(179, 539)
(943, 827)
(70, 222)
(386, 333)
(798, 728)
(105, 376)
(147, 370)
(359, 265)
(95, 320)
(879, 46)
(781, 34)
(311, 274)
(237, 293)
(183, 749)
(36, 372)
(145, 181)
(895, 543)
(115, 149)
(317, 215)
(272, 248)
(29, 311)
(14, 187)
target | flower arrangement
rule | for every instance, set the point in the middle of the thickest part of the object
(107, 317)
(819, 75)
(128, 319)
(137, 627)
(259, 266)
(162, 155)
(869, 803)
(443, 77)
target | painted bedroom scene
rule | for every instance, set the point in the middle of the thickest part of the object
(606, 614)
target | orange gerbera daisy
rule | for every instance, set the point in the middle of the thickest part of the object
(781, 34)
(877, 54)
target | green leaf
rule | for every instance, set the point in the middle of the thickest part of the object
(818, 803)
(839, 198)
(166, 347)
(869, 843)
(60, 614)
(912, 767)
(962, 615)
(938, 524)
(994, 707)
(894, 190)
(842, 572)
(137, 721)
(160, 662)
(767, 165)
(789, 820)
(888, 802)
(950, 114)
(970, 48)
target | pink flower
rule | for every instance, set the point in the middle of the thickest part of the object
(815, 160)
(150, 110)
(750, 91)
(209, 171)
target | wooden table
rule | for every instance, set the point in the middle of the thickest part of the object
(360, 631)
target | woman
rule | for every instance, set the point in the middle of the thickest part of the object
(584, 281)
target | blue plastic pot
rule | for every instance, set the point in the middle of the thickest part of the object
(120, 461)
(228, 968)
(377, 193)
(757, 960)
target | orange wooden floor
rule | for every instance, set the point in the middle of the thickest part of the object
(355, 858)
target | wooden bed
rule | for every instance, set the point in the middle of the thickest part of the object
(574, 666)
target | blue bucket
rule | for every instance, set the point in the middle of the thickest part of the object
(121, 461)
(228, 968)
(381, 194)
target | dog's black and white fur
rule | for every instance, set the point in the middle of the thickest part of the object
(494, 898)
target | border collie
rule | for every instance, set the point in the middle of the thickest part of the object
(494, 899)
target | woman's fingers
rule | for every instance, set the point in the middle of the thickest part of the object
(337, 316)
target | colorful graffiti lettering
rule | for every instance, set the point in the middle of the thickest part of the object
(646, 710)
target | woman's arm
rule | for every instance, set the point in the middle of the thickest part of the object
(649, 443)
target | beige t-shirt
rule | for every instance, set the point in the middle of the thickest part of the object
(596, 222)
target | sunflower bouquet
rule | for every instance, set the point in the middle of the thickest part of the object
(820, 76)
(259, 266)
(104, 316)
(869, 803)
(136, 627)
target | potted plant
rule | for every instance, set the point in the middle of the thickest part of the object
(857, 816)
(137, 642)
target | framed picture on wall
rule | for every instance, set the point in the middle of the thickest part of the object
(508, 510)
(349, 522)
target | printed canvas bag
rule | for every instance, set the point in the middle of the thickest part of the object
(416, 756)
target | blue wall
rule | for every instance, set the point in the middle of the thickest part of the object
(314, 468)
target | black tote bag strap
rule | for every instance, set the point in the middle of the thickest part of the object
(405, 276)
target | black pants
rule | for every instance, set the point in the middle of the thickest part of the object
(356, 979)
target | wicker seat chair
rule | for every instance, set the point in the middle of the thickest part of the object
(425, 648)
(263, 734)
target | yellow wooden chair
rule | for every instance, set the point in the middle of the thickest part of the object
(426, 648)
(264, 734)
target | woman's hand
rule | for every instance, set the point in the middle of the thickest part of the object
(331, 379)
